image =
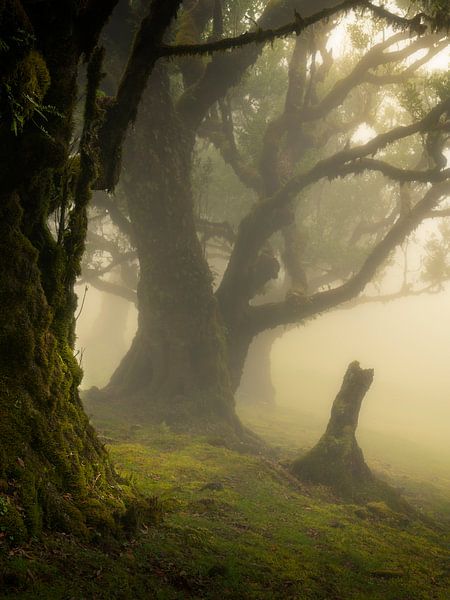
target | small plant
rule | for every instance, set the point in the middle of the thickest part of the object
(3, 506)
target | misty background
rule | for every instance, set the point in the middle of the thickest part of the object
(406, 341)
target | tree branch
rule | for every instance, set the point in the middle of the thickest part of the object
(101, 243)
(92, 277)
(226, 69)
(104, 201)
(409, 71)
(260, 36)
(211, 229)
(299, 308)
(385, 298)
(273, 213)
(215, 134)
(376, 57)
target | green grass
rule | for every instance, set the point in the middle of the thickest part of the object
(257, 534)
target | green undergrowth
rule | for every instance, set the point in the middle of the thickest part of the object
(236, 526)
(421, 473)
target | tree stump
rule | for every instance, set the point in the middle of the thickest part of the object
(337, 460)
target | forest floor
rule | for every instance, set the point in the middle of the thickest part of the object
(238, 526)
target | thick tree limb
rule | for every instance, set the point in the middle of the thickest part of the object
(272, 214)
(299, 308)
(297, 26)
(226, 69)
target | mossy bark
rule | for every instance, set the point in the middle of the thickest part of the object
(337, 460)
(54, 472)
(176, 369)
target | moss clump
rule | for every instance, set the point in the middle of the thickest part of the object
(12, 527)
(23, 90)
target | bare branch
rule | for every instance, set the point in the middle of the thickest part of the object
(299, 25)
(272, 214)
(91, 276)
(299, 308)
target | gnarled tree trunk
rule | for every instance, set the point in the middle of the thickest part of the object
(54, 472)
(176, 369)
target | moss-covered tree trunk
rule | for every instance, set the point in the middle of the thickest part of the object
(176, 369)
(54, 472)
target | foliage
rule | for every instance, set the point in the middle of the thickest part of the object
(436, 266)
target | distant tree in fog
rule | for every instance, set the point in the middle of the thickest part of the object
(329, 240)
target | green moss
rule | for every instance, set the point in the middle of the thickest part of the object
(12, 527)
(58, 475)
(22, 92)
(259, 535)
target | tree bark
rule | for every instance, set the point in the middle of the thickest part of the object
(54, 472)
(337, 460)
(176, 369)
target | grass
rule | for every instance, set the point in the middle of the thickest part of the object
(238, 526)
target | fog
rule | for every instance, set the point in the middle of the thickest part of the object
(406, 341)
(225, 299)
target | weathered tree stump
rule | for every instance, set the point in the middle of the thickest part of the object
(337, 461)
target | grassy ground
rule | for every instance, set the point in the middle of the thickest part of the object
(238, 526)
